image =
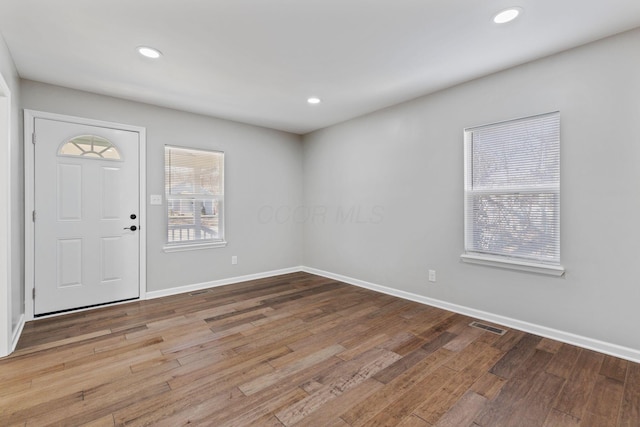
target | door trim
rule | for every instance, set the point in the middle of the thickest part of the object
(29, 197)
(6, 301)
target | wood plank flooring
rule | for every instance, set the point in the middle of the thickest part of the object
(302, 350)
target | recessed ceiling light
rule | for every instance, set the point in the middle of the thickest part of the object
(507, 15)
(149, 52)
(313, 100)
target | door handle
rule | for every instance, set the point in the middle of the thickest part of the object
(132, 228)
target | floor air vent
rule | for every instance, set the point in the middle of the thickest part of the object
(204, 291)
(492, 329)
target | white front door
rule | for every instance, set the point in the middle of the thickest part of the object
(86, 215)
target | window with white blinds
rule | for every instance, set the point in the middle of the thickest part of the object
(512, 190)
(194, 188)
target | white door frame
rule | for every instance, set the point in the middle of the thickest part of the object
(29, 197)
(6, 329)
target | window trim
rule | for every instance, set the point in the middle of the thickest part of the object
(191, 245)
(502, 261)
(512, 264)
(180, 247)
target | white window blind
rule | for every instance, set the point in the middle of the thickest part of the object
(512, 190)
(194, 187)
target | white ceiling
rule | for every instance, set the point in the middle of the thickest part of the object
(257, 61)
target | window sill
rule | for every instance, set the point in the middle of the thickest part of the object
(531, 267)
(194, 246)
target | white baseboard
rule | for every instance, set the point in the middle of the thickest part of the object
(566, 337)
(221, 282)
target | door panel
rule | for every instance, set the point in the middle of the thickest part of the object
(69, 192)
(111, 270)
(111, 185)
(86, 188)
(69, 258)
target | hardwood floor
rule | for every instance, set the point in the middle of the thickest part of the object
(303, 350)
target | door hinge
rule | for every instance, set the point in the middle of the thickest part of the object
(33, 138)
(33, 214)
(33, 294)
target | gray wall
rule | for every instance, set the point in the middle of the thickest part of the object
(263, 167)
(399, 172)
(8, 71)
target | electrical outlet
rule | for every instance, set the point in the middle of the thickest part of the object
(155, 199)
(432, 275)
(234, 260)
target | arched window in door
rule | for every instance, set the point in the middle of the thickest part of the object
(90, 146)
